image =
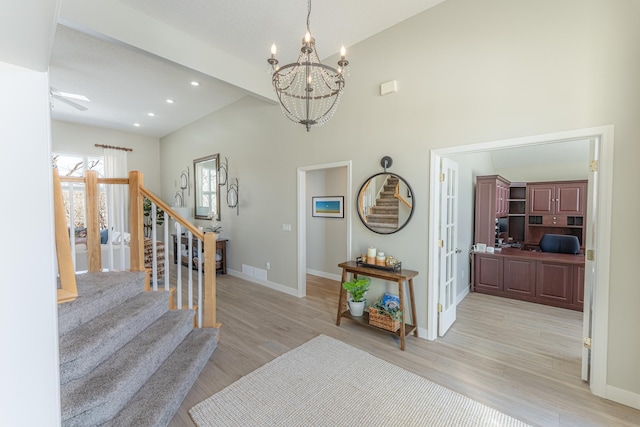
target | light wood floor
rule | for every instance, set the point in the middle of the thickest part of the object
(520, 358)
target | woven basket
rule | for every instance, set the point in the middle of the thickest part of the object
(382, 321)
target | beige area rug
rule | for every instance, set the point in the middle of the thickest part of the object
(326, 382)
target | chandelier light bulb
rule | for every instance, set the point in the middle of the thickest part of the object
(307, 37)
(273, 49)
(343, 52)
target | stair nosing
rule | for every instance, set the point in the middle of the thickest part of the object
(81, 397)
(79, 354)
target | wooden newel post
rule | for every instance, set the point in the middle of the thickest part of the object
(136, 220)
(209, 309)
(94, 251)
(68, 291)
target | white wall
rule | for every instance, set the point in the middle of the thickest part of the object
(467, 72)
(80, 139)
(28, 308)
(564, 172)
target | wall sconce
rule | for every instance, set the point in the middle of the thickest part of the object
(178, 199)
(223, 177)
(232, 196)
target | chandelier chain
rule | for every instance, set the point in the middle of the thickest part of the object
(308, 15)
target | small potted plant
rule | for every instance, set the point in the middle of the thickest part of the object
(357, 287)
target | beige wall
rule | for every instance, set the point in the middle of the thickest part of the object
(80, 139)
(326, 237)
(467, 72)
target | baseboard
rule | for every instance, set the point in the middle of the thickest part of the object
(623, 396)
(325, 275)
(423, 333)
(275, 286)
(462, 295)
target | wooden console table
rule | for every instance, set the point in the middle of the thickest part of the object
(393, 276)
(221, 247)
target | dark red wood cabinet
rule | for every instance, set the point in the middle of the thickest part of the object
(531, 210)
(492, 202)
(544, 278)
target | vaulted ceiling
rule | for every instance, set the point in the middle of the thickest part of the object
(129, 56)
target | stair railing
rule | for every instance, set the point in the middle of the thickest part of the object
(396, 194)
(206, 244)
(368, 196)
(206, 291)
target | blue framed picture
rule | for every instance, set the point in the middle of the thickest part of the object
(328, 207)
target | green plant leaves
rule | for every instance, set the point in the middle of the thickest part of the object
(357, 287)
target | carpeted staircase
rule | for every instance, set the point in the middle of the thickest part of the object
(125, 359)
(384, 214)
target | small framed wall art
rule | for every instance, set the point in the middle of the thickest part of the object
(328, 207)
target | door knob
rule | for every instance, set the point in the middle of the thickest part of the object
(458, 250)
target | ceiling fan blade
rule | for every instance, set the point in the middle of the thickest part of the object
(73, 96)
(68, 102)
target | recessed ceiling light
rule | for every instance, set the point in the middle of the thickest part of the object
(137, 125)
(169, 101)
(195, 83)
(150, 114)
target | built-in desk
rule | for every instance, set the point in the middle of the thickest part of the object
(541, 277)
(400, 277)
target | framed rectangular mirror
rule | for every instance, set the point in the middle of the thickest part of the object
(206, 187)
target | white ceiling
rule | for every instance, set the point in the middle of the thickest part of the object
(125, 83)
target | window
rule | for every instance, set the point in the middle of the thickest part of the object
(75, 165)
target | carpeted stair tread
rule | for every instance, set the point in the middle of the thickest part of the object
(159, 399)
(100, 395)
(98, 293)
(81, 352)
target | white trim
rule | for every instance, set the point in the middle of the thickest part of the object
(275, 286)
(330, 276)
(600, 318)
(462, 295)
(302, 217)
(623, 396)
(600, 297)
(423, 333)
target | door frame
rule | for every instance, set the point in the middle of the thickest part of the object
(604, 138)
(302, 217)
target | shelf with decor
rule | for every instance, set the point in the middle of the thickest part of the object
(517, 211)
(221, 253)
(400, 277)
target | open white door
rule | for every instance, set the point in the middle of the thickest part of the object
(589, 264)
(447, 245)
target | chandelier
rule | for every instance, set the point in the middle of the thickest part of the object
(308, 90)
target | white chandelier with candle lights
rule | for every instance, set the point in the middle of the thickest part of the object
(309, 91)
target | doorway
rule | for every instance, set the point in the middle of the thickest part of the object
(599, 215)
(304, 205)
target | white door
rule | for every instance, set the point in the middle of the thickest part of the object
(447, 245)
(589, 264)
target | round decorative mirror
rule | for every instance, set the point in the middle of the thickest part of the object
(385, 203)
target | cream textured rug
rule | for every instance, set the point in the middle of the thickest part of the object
(326, 382)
